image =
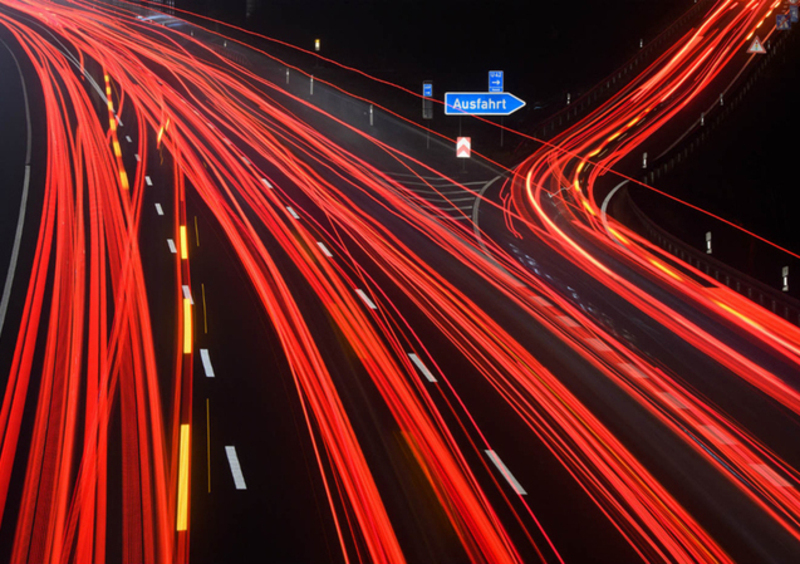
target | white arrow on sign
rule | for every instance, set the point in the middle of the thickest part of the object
(463, 147)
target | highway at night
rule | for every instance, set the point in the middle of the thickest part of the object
(241, 324)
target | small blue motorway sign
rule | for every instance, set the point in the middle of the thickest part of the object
(496, 81)
(782, 22)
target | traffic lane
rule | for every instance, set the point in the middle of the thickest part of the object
(701, 315)
(706, 319)
(743, 529)
(695, 478)
(423, 531)
(577, 527)
(14, 163)
(680, 357)
(590, 517)
(250, 404)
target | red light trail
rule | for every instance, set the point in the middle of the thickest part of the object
(86, 334)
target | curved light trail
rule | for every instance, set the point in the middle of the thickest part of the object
(281, 190)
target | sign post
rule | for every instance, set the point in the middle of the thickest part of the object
(427, 108)
(427, 99)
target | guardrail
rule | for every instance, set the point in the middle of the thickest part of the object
(770, 298)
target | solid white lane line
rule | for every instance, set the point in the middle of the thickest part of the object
(598, 345)
(505, 472)
(206, 363)
(669, 398)
(159, 210)
(172, 247)
(266, 183)
(422, 368)
(236, 469)
(324, 249)
(128, 139)
(293, 213)
(632, 370)
(187, 293)
(719, 435)
(770, 475)
(148, 181)
(365, 297)
(568, 321)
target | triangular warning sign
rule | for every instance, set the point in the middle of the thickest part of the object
(756, 47)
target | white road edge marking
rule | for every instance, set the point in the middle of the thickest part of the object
(324, 249)
(236, 469)
(290, 209)
(159, 209)
(172, 247)
(187, 293)
(422, 368)
(206, 363)
(365, 297)
(148, 181)
(505, 472)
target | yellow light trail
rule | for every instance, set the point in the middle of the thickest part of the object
(184, 245)
(208, 444)
(664, 268)
(618, 235)
(183, 479)
(187, 326)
